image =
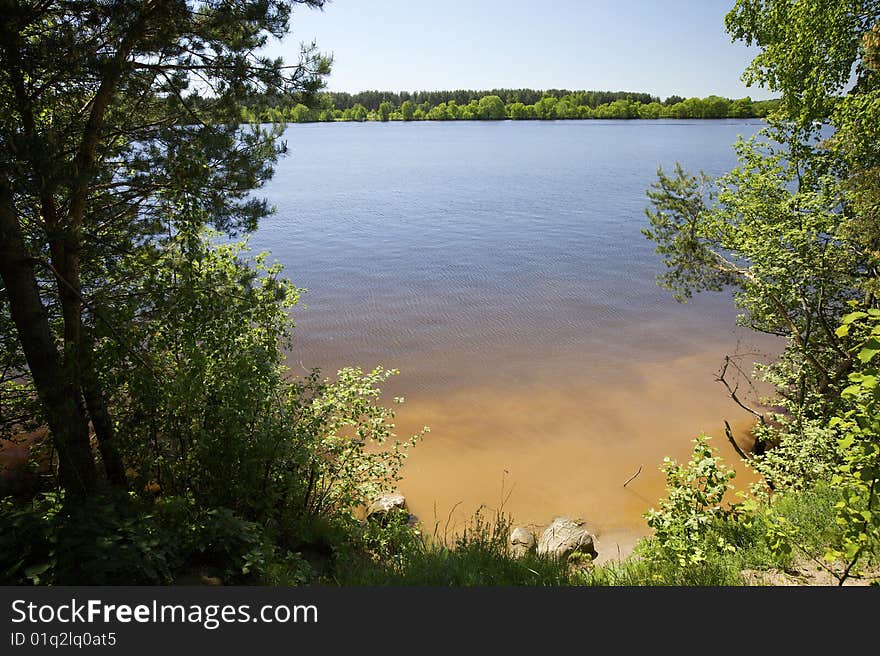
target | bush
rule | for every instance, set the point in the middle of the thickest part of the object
(209, 411)
(693, 504)
(107, 542)
(120, 540)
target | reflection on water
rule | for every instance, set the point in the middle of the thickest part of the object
(500, 267)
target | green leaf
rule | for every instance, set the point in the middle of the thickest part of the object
(852, 390)
(34, 571)
(869, 351)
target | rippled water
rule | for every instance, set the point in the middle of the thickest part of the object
(500, 266)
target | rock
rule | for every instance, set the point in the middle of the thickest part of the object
(385, 504)
(563, 537)
(522, 542)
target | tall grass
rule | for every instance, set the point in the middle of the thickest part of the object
(480, 555)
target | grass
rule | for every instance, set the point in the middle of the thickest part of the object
(480, 555)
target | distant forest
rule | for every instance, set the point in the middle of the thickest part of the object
(495, 104)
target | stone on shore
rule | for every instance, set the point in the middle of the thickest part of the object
(563, 537)
(386, 504)
(522, 542)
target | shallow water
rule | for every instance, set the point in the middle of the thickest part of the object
(500, 267)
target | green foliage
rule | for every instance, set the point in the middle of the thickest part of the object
(207, 412)
(109, 114)
(792, 526)
(502, 104)
(194, 403)
(822, 56)
(807, 48)
(714, 571)
(349, 424)
(20, 410)
(787, 532)
(792, 230)
(782, 229)
(25, 545)
(677, 227)
(858, 476)
(693, 503)
(491, 108)
(771, 232)
(207, 409)
(124, 541)
(804, 451)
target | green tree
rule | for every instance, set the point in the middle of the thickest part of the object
(678, 110)
(693, 108)
(545, 108)
(566, 109)
(808, 49)
(359, 113)
(385, 110)
(93, 97)
(518, 112)
(774, 246)
(716, 107)
(407, 110)
(301, 114)
(226, 426)
(439, 113)
(491, 108)
(650, 111)
(742, 108)
(623, 109)
(693, 504)
(274, 115)
(790, 229)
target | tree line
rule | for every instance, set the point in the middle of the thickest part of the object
(372, 99)
(497, 105)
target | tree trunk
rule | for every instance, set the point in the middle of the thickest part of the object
(59, 396)
(101, 420)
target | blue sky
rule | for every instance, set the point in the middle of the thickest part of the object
(660, 47)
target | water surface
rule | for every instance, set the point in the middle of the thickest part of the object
(500, 267)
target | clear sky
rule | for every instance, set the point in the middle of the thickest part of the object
(662, 47)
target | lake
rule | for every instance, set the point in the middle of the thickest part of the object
(500, 267)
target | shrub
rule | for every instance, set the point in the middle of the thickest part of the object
(208, 411)
(692, 505)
